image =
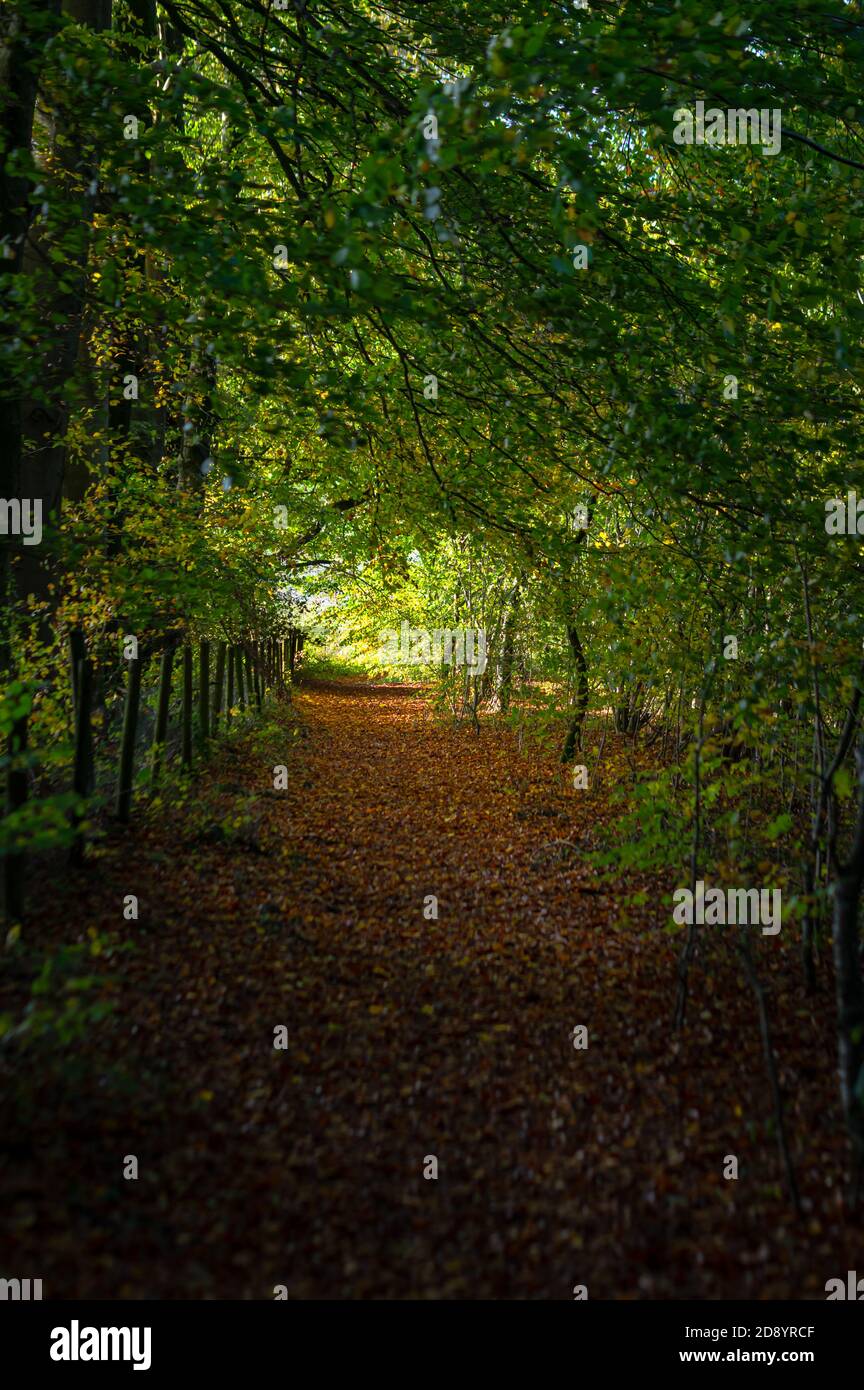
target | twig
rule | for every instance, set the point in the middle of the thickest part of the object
(771, 1066)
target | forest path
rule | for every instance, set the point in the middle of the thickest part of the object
(407, 1037)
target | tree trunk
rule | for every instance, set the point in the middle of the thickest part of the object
(849, 989)
(16, 796)
(161, 730)
(25, 34)
(218, 685)
(127, 748)
(238, 665)
(508, 646)
(186, 754)
(229, 700)
(252, 674)
(574, 734)
(44, 409)
(204, 691)
(197, 422)
(82, 775)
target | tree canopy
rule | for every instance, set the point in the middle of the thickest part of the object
(542, 319)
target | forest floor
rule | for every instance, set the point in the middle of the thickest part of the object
(407, 1038)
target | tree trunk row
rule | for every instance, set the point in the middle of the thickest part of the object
(267, 663)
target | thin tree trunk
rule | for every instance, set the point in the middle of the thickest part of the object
(252, 671)
(71, 173)
(238, 663)
(164, 702)
(127, 747)
(186, 755)
(82, 773)
(689, 950)
(508, 647)
(204, 690)
(218, 685)
(82, 770)
(78, 655)
(16, 796)
(849, 987)
(574, 735)
(771, 1067)
(198, 421)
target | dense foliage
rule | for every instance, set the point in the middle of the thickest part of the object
(422, 313)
